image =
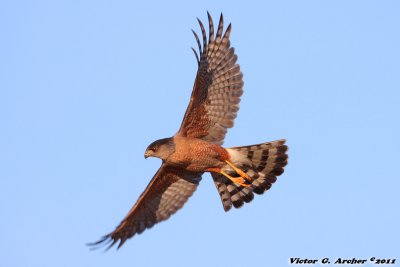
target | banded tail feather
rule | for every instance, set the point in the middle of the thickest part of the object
(262, 162)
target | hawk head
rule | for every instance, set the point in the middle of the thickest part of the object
(162, 148)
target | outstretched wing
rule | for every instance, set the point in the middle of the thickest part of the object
(166, 193)
(217, 89)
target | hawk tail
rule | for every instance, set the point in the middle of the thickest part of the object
(262, 162)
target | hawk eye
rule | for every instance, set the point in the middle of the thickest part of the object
(153, 149)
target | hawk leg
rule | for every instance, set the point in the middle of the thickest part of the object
(239, 180)
(239, 171)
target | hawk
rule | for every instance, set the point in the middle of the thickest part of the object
(238, 172)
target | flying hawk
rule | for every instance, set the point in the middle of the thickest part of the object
(238, 172)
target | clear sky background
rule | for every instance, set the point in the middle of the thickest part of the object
(85, 86)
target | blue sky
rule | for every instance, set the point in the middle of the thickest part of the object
(85, 86)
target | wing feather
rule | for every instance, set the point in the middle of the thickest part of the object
(166, 193)
(217, 89)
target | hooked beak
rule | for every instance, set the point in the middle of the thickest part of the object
(146, 154)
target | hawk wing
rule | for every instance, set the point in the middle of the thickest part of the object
(217, 89)
(166, 193)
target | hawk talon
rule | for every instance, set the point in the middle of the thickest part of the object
(239, 180)
(239, 171)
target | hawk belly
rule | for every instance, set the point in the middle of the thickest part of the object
(197, 155)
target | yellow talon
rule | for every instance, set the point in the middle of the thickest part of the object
(239, 180)
(239, 171)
